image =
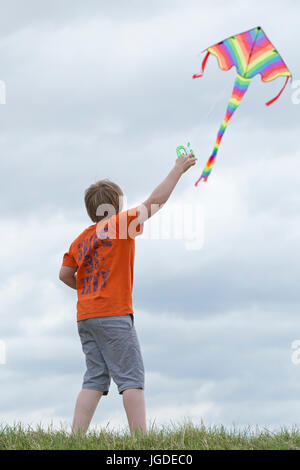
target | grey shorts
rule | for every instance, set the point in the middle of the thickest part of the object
(111, 349)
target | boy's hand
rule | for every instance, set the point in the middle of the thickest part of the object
(185, 162)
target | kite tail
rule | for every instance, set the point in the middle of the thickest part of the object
(240, 87)
(277, 96)
(203, 67)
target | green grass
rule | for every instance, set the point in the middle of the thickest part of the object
(184, 436)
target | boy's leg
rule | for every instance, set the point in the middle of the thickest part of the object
(134, 404)
(86, 405)
(96, 377)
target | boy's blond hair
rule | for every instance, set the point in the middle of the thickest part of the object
(102, 192)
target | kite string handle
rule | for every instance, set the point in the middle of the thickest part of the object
(182, 148)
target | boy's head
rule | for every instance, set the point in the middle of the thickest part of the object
(102, 192)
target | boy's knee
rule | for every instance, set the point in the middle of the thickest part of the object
(132, 389)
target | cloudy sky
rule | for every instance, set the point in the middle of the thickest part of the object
(100, 89)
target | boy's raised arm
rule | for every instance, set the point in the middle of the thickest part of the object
(161, 194)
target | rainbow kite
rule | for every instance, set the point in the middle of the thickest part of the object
(252, 53)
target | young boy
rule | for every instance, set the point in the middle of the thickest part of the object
(99, 265)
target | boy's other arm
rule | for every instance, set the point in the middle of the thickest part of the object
(67, 275)
(161, 194)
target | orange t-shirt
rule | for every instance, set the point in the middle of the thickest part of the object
(104, 257)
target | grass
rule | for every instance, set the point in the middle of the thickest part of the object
(181, 437)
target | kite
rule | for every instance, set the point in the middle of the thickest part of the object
(252, 53)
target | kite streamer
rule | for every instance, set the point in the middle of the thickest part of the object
(251, 53)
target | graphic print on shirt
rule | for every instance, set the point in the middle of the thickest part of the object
(92, 262)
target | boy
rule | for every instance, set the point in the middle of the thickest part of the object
(99, 265)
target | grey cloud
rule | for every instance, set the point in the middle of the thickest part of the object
(104, 89)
